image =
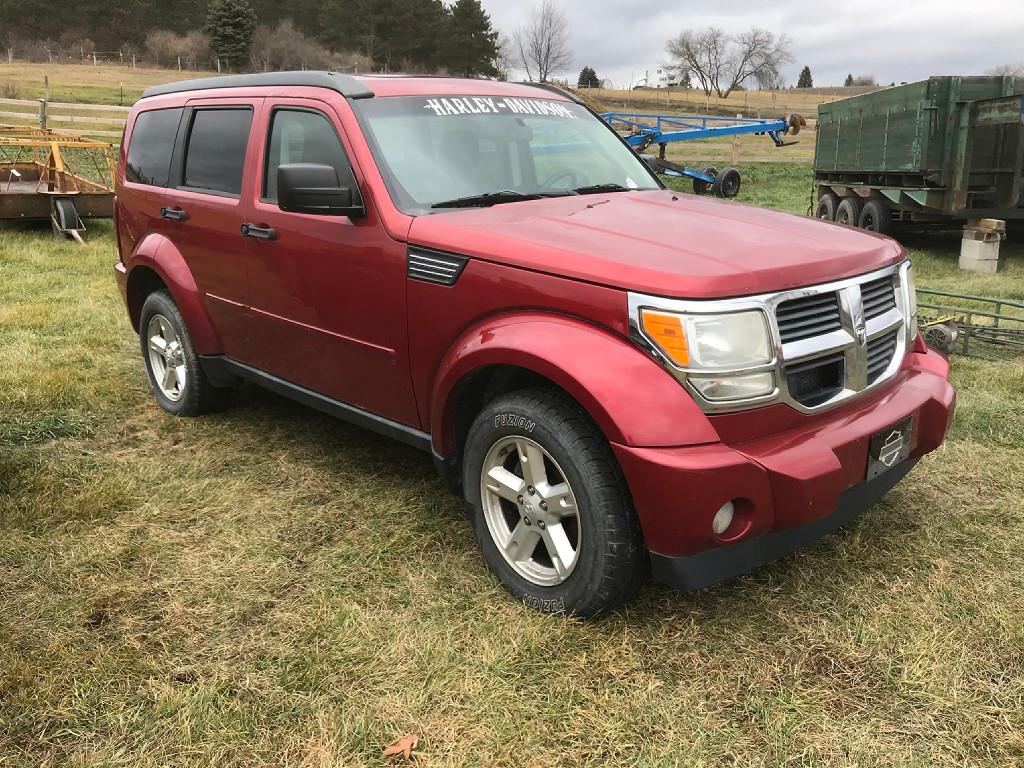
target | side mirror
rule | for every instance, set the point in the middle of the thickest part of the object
(314, 188)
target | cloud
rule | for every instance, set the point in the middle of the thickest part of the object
(895, 40)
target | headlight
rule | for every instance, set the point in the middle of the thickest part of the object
(711, 346)
(737, 387)
(734, 340)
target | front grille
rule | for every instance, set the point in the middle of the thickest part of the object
(808, 316)
(880, 352)
(816, 381)
(879, 296)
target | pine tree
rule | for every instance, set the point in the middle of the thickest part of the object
(849, 81)
(230, 24)
(805, 80)
(471, 46)
(588, 78)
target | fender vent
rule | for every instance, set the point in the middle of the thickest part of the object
(434, 266)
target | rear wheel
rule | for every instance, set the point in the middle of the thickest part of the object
(876, 217)
(701, 187)
(727, 183)
(848, 211)
(175, 376)
(827, 205)
(549, 506)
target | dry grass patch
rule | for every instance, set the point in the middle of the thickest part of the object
(271, 587)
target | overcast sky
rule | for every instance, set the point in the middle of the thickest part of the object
(895, 40)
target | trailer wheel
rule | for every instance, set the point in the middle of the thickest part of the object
(727, 183)
(701, 187)
(827, 205)
(876, 217)
(848, 212)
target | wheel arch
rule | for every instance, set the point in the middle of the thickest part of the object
(611, 380)
(157, 264)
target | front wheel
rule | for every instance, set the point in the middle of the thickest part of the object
(549, 506)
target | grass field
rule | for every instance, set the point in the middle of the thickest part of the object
(271, 587)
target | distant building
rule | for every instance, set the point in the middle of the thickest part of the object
(666, 77)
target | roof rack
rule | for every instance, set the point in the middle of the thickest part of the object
(346, 85)
(555, 89)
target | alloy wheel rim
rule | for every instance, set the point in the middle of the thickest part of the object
(166, 358)
(530, 511)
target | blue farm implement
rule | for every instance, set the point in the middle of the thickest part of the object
(641, 131)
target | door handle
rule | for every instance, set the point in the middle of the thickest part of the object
(260, 233)
(174, 214)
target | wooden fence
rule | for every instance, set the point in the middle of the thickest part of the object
(66, 117)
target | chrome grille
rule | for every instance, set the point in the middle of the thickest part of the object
(832, 341)
(880, 353)
(808, 316)
(879, 296)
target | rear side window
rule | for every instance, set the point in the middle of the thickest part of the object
(149, 154)
(299, 136)
(215, 154)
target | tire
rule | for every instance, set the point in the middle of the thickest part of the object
(848, 211)
(196, 395)
(606, 559)
(875, 216)
(727, 183)
(701, 187)
(827, 205)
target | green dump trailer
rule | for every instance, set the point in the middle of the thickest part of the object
(922, 155)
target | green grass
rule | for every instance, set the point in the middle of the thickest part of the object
(271, 587)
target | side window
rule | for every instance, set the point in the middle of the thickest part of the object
(149, 154)
(215, 155)
(300, 136)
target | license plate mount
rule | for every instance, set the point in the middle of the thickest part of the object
(889, 447)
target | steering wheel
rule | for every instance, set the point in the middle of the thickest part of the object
(565, 173)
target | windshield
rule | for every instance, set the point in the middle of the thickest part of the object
(443, 152)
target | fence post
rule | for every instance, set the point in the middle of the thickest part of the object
(179, 63)
(42, 114)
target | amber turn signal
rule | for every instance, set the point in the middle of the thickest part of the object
(667, 331)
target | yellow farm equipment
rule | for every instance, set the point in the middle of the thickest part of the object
(52, 176)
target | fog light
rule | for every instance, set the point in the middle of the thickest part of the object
(723, 518)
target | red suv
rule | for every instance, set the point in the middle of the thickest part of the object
(616, 376)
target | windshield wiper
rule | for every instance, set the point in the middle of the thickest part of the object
(597, 189)
(488, 198)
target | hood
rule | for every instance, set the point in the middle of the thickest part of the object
(660, 242)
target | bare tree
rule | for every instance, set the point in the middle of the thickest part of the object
(722, 62)
(507, 57)
(543, 44)
(1011, 70)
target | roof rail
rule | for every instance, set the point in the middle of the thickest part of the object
(346, 85)
(555, 89)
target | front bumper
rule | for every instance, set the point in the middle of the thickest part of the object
(790, 484)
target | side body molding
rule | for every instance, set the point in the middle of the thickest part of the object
(159, 254)
(630, 398)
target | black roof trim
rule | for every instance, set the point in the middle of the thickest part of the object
(555, 89)
(346, 85)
